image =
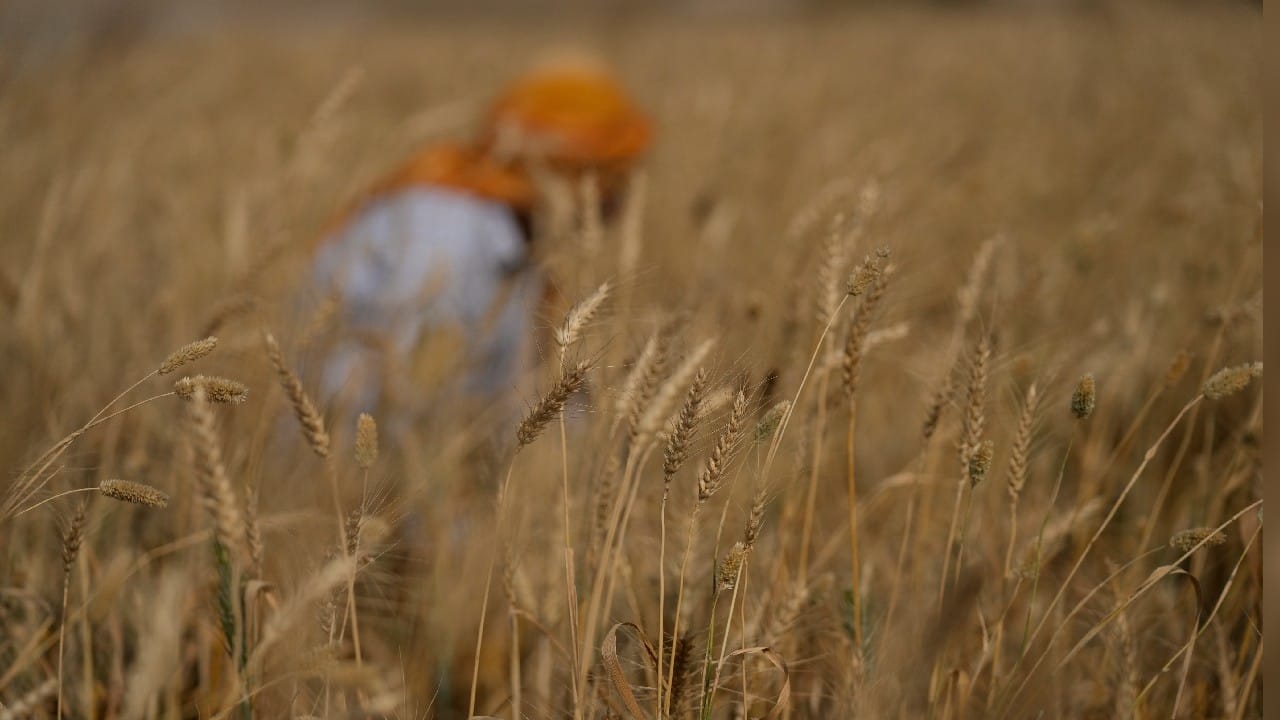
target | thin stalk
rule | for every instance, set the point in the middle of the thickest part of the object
(675, 625)
(1189, 646)
(98, 421)
(355, 627)
(1044, 522)
(724, 650)
(853, 526)
(920, 468)
(569, 580)
(708, 693)
(776, 442)
(1146, 585)
(1157, 506)
(742, 636)
(662, 599)
(820, 422)
(488, 587)
(1115, 507)
(951, 539)
(48, 456)
(54, 497)
(964, 535)
(623, 523)
(86, 645)
(332, 473)
(1248, 683)
(1152, 516)
(25, 490)
(597, 586)
(516, 697)
(1013, 538)
(126, 391)
(62, 444)
(62, 631)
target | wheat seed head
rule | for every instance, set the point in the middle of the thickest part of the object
(217, 493)
(1187, 539)
(756, 519)
(662, 400)
(980, 462)
(867, 272)
(728, 576)
(134, 492)
(581, 315)
(366, 441)
(186, 354)
(74, 536)
(642, 380)
(830, 268)
(1177, 368)
(550, 405)
(768, 424)
(1229, 381)
(685, 424)
(718, 461)
(942, 395)
(1084, 398)
(216, 389)
(1020, 453)
(856, 343)
(303, 409)
(975, 417)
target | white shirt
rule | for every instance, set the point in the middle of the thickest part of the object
(428, 258)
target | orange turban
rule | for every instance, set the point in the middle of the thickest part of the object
(572, 115)
(467, 169)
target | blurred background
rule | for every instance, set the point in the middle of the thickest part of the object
(167, 167)
(33, 23)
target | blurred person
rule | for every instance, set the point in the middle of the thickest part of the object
(441, 253)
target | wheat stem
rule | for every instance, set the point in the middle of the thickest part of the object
(855, 566)
(811, 497)
(55, 497)
(1039, 556)
(488, 586)
(684, 567)
(571, 600)
(1115, 507)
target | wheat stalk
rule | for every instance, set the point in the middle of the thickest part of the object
(642, 381)
(682, 430)
(663, 401)
(304, 410)
(674, 456)
(218, 496)
(71, 540)
(550, 405)
(579, 316)
(709, 481)
(1019, 456)
(971, 442)
(851, 364)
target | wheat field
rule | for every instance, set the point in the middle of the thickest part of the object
(916, 378)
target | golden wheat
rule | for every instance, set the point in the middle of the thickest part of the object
(744, 305)
(134, 492)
